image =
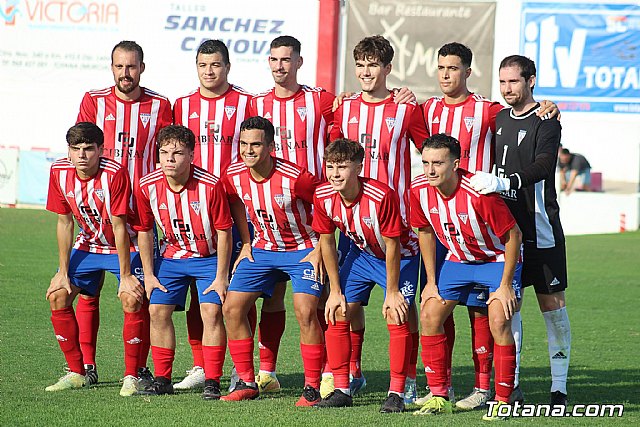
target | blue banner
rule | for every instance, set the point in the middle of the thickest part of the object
(587, 55)
(33, 175)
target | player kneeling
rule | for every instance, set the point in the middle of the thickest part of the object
(384, 250)
(193, 213)
(484, 242)
(95, 191)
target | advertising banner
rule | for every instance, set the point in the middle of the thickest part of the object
(8, 175)
(33, 176)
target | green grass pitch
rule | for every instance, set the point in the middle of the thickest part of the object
(603, 300)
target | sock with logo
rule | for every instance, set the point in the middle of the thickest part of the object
(559, 337)
(450, 332)
(194, 331)
(66, 329)
(312, 361)
(241, 352)
(505, 361)
(435, 360)
(482, 348)
(400, 344)
(338, 340)
(357, 339)
(270, 331)
(213, 361)
(132, 337)
(88, 317)
(516, 330)
(162, 361)
(145, 345)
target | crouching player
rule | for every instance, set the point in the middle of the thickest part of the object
(278, 197)
(95, 191)
(483, 242)
(385, 251)
(191, 209)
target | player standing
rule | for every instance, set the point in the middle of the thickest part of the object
(484, 242)
(194, 216)
(526, 155)
(130, 117)
(95, 191)
(384, 251)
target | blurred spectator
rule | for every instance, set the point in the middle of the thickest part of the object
(575, 171)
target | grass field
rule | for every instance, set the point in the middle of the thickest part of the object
(603, 301)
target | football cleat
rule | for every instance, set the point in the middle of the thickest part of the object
(558, 398)
(356, 384)
(435, 406)
(129, 386)
(516, 395)
(326, 385)
(422, 400)
(233, 379)
(493, 416)
(211, 390)
(335, 399)
(410, 391)
(476, 400)
(310, 396)
(68, 381)
(160, 385)
(145, 378)
(194, 380)
(267, 382)
(91, 376)
(242, 392)
(393, 403)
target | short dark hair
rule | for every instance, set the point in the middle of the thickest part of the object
(129, 46)
(374, 47)
(178, 133)
(286, 41)
(565, 151)
(259, 123)
(527, 66)
(344, 150)
(459, 50)
(85, 133)
(442, 140)
(209, 47)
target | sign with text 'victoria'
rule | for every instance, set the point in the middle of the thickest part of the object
(587, 55)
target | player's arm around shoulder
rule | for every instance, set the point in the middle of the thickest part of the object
(64, 236)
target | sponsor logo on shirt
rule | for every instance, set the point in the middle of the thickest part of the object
(246, 196)
(433, 210)
(336, 219)
(499, 132)
(353, 120)
(196, 206)
(436, 120)
(109, 118)
(267, 116)
(144, 118)
(70, 194)
(162, 207)
(229, 110)
(194, 115)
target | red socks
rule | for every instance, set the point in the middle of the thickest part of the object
(213, 361)
(413, 359)
(65, 327)
(241, 352)
(339, 346)
(436, 363)
(399, 353)
(324, 326)
(270, 333)
(357, 338)
(145, 346)
(505, 361)
(194, 329)
(162, 361)
(132, 337)
(450, 332)
(88, 318)
(482, 348)
(312, 360)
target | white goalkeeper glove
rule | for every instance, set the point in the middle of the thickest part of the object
(485, 183)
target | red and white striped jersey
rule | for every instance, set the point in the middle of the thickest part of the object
(472, 122)
(279, 207)
(300, 122)
(92, 202)
(383, 129)
(188, 218)
(216, 125)
(130, 127)
(472, 226)
(374, 213)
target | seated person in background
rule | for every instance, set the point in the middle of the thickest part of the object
(572, 166)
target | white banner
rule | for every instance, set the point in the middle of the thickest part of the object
(8, 175)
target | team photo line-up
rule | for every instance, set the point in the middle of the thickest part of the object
(229, 196)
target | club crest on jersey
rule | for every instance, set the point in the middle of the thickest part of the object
(353, 120)
(279, 198)
(468, 122)
(367, 221)
(100, 193)
(463, 217)
(196, 206)
(109, 118)
(302, 112)
(229, 110)
(390, 121)
(144, 118)
(194, 115)
(521, 134)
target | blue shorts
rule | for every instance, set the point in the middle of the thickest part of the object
(470, 283)
(361, 271)
(344, 246)
(269, 268)
(441, 254)
(86, 269)
(177, 274)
